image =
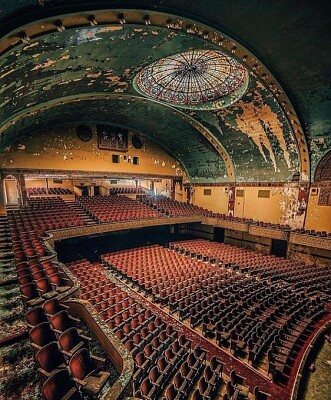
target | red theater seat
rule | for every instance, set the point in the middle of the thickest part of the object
(59, 386)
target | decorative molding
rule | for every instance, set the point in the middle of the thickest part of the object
(70, 174)
(311, 241)
(268, 232)
(119, 226)
(237, 226)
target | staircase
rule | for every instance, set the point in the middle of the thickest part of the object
(79, 210)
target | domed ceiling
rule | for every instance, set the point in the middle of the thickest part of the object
(213, 103)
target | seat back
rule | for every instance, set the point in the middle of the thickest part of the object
(69, 339)
(35, 316)
(53, 306)
(42, 334)
(61, 321)
(81, 364)
(59, 385)
(49, 357)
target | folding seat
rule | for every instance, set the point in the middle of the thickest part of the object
(205, 388)
(142, 366)
(193, 363)
(148, 390)
(180, 384)
(171, 332)
(157, 345)
(146, 335)
(237, 383)
(171, 393)
(59, 386)
(59, 283)
(24, 279)
(200, 353)
(259, 395)
(35, 316)
(30, 295)
(62, 321)
(156, 377)
(171, 357)
(152, 329)
(178, 350)
(216, 366)
(197, 395)
(150, 353)
(49, 359)
(163, 367)
(40, 335)
(70, 341)
(237, 345)
(44, 288)
(87, 371)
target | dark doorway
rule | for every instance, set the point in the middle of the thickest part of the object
(84, 190)
(96, 190)
(219, 235)
(278, 248)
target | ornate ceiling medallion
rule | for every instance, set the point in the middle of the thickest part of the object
(197, 79)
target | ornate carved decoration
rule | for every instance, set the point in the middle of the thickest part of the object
(268, 232)
(118, 226)
(311, 241)
(237, 226)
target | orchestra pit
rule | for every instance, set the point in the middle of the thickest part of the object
(165, 200)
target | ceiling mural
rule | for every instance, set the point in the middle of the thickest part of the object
(254, 130)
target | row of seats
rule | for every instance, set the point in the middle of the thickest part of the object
(43, 191)
(172, 208)
(275, 269)
(116, 208)
(126, 190)
(165, 361)
(62, 353)
(230, 307)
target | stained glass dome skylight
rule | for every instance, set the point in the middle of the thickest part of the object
(200, 79)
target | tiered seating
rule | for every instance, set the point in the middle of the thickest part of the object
(173, 208)
(40, 280)
(116, 208)
(171, 278)
(51, 191)
(25, 237)
(165, 361)
(60, 347)
(255, 318)
(313, 280)
(126, 190)
(51, 213)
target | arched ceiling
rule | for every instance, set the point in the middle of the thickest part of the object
(261, 137)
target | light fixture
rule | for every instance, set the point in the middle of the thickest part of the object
(189, 29)
(147, 19)
(121, 19)
(24, 37)
(92, 20)
(169, 23)
(205, 35)
(59, 25)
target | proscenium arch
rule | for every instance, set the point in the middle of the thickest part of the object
(190, 27)
(22, 120)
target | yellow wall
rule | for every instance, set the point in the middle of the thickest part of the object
(217, 202)
(280, 207)
(318, 217)
(60, 149)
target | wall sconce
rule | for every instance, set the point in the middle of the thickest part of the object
(25, 39)
(147, 20)
(59, 25)
(92, 20)
(206, 35)
(121, 19)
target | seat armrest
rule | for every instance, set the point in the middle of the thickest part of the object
(79, 381)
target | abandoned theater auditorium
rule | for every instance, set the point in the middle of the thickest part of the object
(165, 200)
